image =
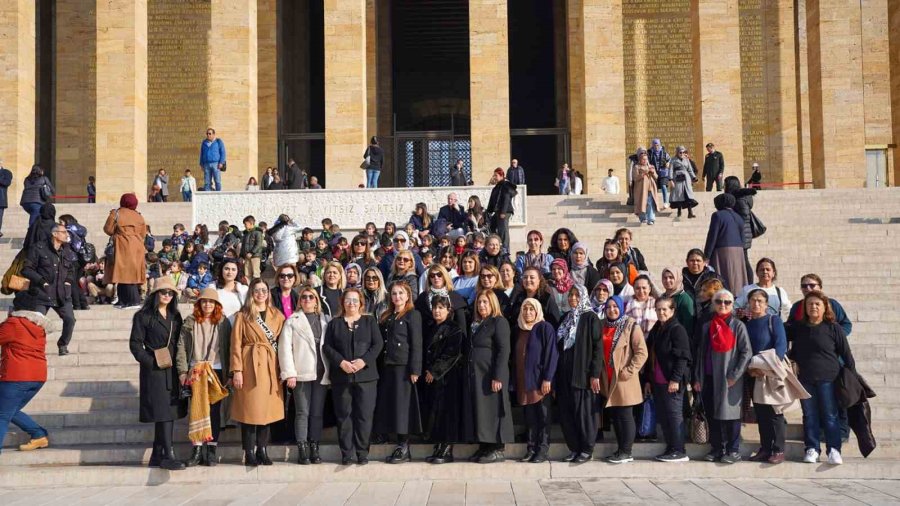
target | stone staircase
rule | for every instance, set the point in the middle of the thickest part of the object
(89, 403)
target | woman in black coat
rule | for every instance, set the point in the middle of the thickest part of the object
(743, 205)
(351, 345)
(284, 291)
(670, 358)
(397, 410)
(444, 365)
(533, 285)
(488, 376)
(439, 284)
(157, 327)
(561, 243)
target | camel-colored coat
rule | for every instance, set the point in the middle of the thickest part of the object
(644, 178)
(261, 400)
(128, 233)
(629, 356)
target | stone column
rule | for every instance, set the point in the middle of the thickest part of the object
(804, 157)
(717, 84)
(17, 90)
(121, 77)
(781, 74)
(837, 112)
(894, 50)
(876, 69)
(489, 87)
(233, 94)
(268, 79)
(596, 88)
(345, 92)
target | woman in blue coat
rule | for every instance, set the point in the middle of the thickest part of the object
(725, 244)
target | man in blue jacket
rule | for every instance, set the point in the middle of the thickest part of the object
(212, 160)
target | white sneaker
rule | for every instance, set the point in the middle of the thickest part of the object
(812, 456)
(834, 457)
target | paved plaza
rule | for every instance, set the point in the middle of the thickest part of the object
(536, 492)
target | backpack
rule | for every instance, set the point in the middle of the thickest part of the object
(88, 253)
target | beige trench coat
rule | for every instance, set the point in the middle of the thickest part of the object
(261, 400)
(644, 178)
(128, 232)
(629, 356)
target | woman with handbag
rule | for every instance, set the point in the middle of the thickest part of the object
(154, 341)
(373, 159)
(720, 361)
(127, 230)
(37, 190)
(684, 177)
(623, 353)
(205, 337)
(258, 396)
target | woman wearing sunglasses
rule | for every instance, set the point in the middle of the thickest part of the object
(720, 363)
(375, 293)
(439, 284)
(284, 296)
(305, 371)
(404, 269)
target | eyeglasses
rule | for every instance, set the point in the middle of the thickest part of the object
(400, 239)
(289, 275)
(403, 259)
(351, 302)
(724, 302)
(307, 296)
(260, 290)
(809, 286)
(371, 278)
(487, 275)
(435, 275)
(167, 293)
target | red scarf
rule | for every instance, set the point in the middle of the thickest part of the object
(721, 337)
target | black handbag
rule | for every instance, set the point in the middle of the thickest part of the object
(757, 227)
(46, 192)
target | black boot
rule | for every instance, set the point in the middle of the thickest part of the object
(445, 455)
(434, 454)
(169, 461)
(196, 457)
(691, 213)
(303, 453)
(250, 458)
(211, 459)
(679, 212)
(314, 457)
(401, 454)
(155, 456)
(262, 456)
(529, 454)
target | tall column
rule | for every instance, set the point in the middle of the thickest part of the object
(121, 77)
(345, 92)
(781, 73)
(894, 50)
(268, 79)
(717, 84)
(804, 157)
(17, 90)
(876, 71)
(596, 87)
(837, 112)
(489, 87)
(233, 94)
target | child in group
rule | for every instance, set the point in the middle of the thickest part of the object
(178, 277)
(309, 264)
(335, 235)
(478, 241)
(179, 238)
(200, 256)
(414, 242)
(322, 250)
(166, 256)
(269, 247)
(92, 190)
(460, 245)
(326, 230)
(198, 282)
(306, 241)
(97, 287)
(341, 251)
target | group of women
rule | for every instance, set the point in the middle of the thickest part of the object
(448, 357)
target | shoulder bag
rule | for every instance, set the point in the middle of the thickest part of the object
(698, 424)
(45, 191)
(162, 355)
(110, 250)
(757, 227)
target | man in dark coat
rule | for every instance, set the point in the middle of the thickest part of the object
(5, 181)
(515, 174)
(453, 215)
(713, 167)
(500, 206)
(50, 267)
(296, 178)
(458, 174)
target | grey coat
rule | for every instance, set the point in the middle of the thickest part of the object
(163, 182)
(729, 365)
(683, 190)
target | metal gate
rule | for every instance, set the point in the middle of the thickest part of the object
(424, 158)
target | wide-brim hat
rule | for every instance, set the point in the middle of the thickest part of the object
(210, 293)
(163, 283)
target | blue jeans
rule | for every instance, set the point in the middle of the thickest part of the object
(186, 196)
(650, 215)
(34, 211)
(665, 192)
(372, 176)
(211, 172)
(564, 187)
(14, 395)
(821, 410)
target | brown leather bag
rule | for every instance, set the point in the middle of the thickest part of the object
(163, 356)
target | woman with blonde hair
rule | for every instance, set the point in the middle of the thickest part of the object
(439, 284)
(333, 284)
(489, 279)
(374, 292)
(258, 396)
(305, 371)
(404, 269)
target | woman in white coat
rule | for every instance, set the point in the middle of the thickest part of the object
(283, 233)
(305, 371)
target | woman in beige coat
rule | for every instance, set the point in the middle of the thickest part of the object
(624, 353)
(258, 397)
(128, 269)
(646, 200)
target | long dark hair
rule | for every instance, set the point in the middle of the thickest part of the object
(151, 305)
(36, 173)
(572, 240)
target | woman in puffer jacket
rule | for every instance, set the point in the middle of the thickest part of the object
(283, 233)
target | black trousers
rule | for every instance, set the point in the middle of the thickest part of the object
(576, 417)
(354, 408)
(537, 419)
(670, 414)
(771, 428)
(622, 419)
(67, 314)
(254, 434)
(724, 435)
(709, 183)
(79, 297)
(2, 210)
(129, 295)
(500, 226)
(163, 434)
(215, 412)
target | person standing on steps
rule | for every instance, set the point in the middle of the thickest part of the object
(610, 183)
(5, 181)
(154, 342)
(682, 196)
(162, 180)
(713, 168)
(128, 230)
(659, 159)
(212, 161)
(646, 199)
(458, 174)
(188, 186)
(375, 154)
(500, 206)
(515, 174)
(37, 191)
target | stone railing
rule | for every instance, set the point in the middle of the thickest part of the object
(351, 209)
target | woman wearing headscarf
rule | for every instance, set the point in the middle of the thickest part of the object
(642, 309)
(600, 295)
(577, 375)
(353, 275)
(623, 355)
(673, 284)
(560, 283)
(535, 360)
(725, 243)
(619, 280)
(683, 175)
(581, 269)
(721, 360)
(128, 230)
